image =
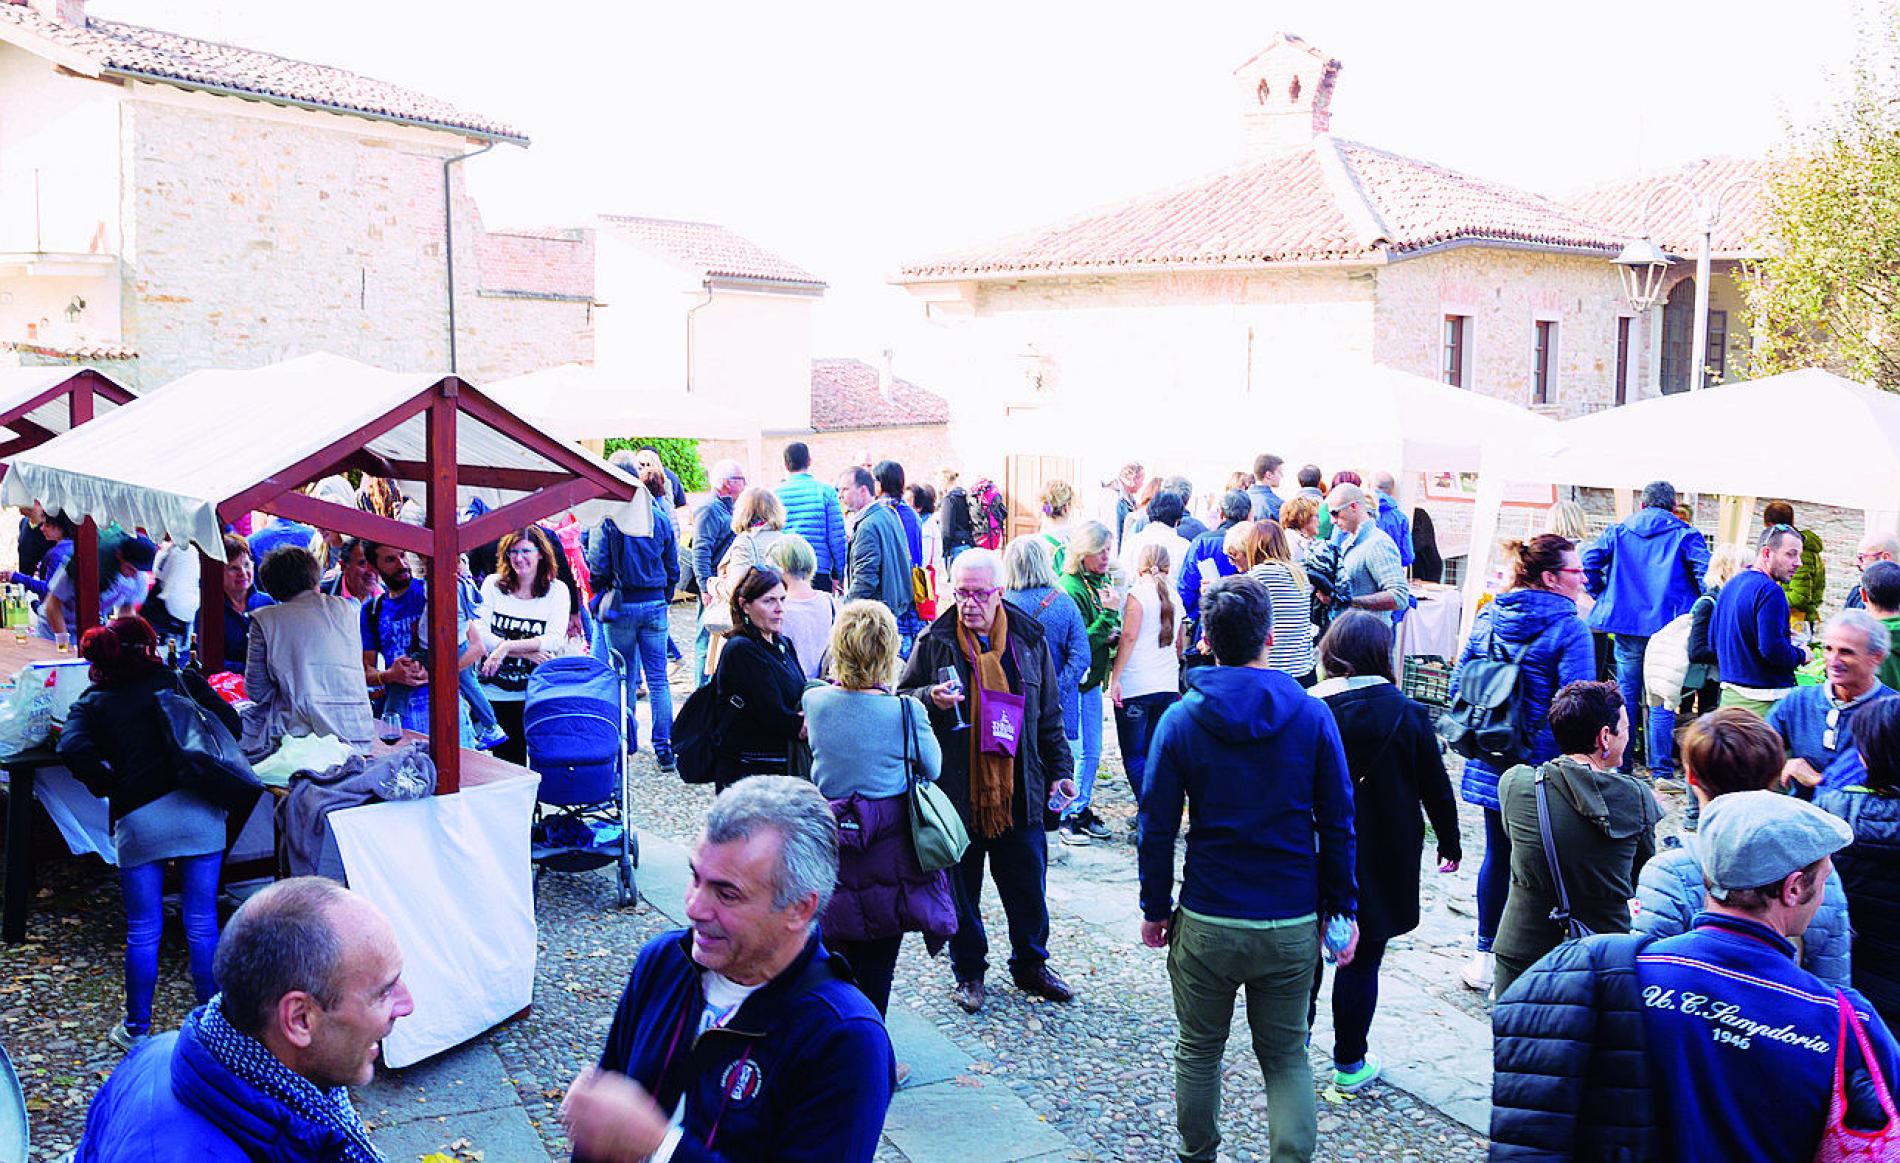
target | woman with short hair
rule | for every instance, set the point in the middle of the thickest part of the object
(1393, 757)
(1602, 826)
(809, 614)
(1259, 548)
(524, 610)
(1029, 584)
(758, 683)
(867, 744)
(1087, 580)
(1299, 517)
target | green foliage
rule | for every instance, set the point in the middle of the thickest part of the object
(679, 453)
(1828, 293)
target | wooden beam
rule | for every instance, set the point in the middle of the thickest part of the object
(85, 557)
(317, 463)
(29, 433)
(210, 613)
(350, 521)
(445, 645)
(563, 454)
(516, 514)
(523, 480)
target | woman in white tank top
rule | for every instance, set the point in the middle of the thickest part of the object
(1147, 675)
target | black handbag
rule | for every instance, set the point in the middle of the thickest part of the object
(206, 755)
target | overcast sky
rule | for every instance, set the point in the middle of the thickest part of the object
(854, 137)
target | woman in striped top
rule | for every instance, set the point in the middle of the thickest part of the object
(1259, 548)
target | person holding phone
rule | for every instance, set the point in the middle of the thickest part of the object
(999, 724)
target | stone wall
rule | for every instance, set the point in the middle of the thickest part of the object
(511, 335)
(922, 449)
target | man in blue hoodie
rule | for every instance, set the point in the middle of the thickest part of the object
(1260, 768)
(812, 512)
(1643, 573)
(310, 980)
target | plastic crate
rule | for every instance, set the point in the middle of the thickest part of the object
(1427, 680)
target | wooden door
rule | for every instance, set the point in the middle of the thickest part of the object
(1023, 478)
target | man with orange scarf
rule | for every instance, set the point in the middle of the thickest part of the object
(1000, 726)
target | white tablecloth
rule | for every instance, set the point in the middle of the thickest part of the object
(82, 820)
(453, 875)
(1432, 628)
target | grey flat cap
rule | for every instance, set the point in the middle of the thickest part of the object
(1753, 838)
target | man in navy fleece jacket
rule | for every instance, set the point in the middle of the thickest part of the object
(1749, 626)
(1260, 767)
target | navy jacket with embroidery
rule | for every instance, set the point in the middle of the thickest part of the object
(802, 1072)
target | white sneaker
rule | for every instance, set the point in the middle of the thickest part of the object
(1477, 975)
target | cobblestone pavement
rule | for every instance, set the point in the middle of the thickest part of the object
(1097, 1071)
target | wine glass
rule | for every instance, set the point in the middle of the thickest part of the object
(389, 728)
(952, 682)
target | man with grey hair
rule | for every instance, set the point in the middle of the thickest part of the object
(310, 980)
(1644, 573)
(1004, 753)
(1873, 547)
(1369, 561)
(741, 1037)
(712, 536)
(1392, 519)
(1207, 562)
(1189, 526)
(1817, 722)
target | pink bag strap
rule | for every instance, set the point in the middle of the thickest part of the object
(1838, 1103)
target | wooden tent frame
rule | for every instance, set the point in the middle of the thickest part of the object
(441, 541)
(80, 389)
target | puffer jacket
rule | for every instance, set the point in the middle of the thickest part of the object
(1644, 572)
(1560, 653)
(882, 890)
(1669, 894)
(1809, 584)
(1570, 1076)
(1869, 870)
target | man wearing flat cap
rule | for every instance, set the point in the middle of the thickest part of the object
(1712, 1045)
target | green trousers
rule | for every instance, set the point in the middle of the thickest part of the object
(1208, 964)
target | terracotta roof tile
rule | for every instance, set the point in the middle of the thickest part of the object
(710, 250)
(1334, 200)
(844, 394)
(549, 262)
(131, 49)
(98, 351)
(1673, 221)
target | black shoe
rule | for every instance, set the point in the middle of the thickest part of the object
(968, 995)
(1092, 824)
(1044, 983)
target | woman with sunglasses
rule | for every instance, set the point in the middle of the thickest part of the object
(1538, 617)
(759, 683)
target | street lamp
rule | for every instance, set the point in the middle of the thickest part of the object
(1642, 263)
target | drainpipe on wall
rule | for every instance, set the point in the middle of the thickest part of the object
(690, 312)
(448, 237)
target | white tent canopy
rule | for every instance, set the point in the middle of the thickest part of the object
(165, 462)
(580, 403)
(20, 385)
(1805, 435)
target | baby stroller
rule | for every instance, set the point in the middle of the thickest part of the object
(574, 720)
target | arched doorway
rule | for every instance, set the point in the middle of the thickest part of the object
(1678, 337)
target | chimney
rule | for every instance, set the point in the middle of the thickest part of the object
(886, 381)
(1285, 94)
(71, 12)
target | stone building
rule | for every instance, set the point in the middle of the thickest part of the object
(182, 204)
(1311, 249)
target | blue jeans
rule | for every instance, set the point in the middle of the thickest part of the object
(1629, 649)
(1494, 878)
(142, 886)
(702, 642)
(1087, 746)
(480, 713)
(1135, 723)
(1662, 743)
(639, 634)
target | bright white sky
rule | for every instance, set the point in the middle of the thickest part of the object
(853, 137)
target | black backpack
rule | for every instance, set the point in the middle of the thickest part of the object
(696, 733)
(1483, 722)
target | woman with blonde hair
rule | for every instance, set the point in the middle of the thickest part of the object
(867, 744)
(1146, 679)
(1085, 577)
(809, 613)
(1259, 548)
(1058, 498)
(758, 523)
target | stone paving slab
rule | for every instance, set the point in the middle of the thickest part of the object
(503, 1136)
(971, 1121)
(462, 1094)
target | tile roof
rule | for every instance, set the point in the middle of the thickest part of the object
(844, 394)
(1673, 221)
(130, 50)
(550, 263)
(98, 351)
(1334, 200)
(709, 250)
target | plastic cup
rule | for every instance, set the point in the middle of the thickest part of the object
(63, 642)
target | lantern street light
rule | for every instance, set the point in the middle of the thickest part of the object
(1642, 264)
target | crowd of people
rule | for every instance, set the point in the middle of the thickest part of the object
(875, 642)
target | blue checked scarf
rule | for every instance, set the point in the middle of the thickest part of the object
(248, 1058)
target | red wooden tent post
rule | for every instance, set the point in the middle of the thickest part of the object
(445, 645)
